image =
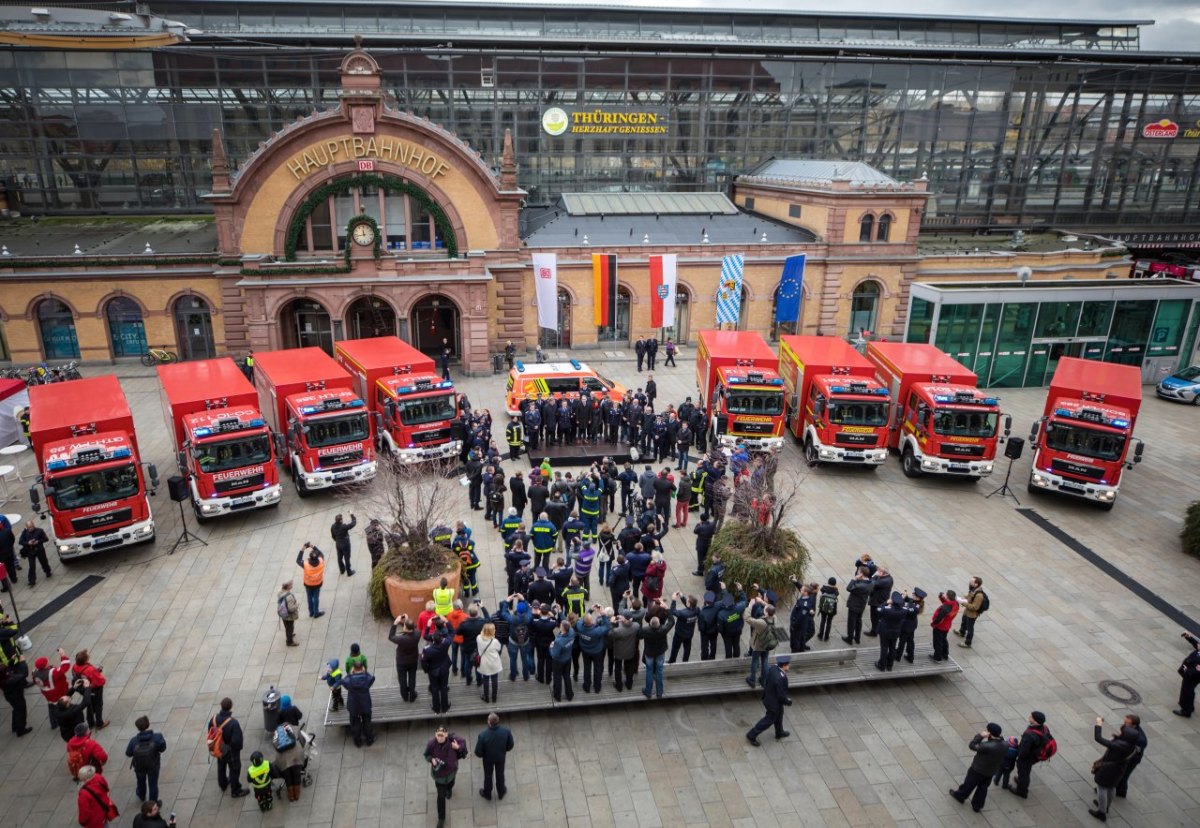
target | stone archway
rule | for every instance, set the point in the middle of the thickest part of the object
(432, 319)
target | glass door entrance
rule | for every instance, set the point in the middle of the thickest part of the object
(1044, 357)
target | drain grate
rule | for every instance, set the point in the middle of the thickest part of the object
(1120, 692)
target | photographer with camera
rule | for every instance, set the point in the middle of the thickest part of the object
(990, 750)
(312, 561)
(443, 752)
(1189, 672)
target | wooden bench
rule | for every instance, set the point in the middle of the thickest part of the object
(693, 679)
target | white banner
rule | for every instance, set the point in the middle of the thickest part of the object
(545, 280)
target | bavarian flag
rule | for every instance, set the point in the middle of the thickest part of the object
(662, 291)
(729, 289)
(604, 288)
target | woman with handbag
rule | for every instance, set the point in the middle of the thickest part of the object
(1109, 768)
(442, 753)
(488, 662)
(96, 808)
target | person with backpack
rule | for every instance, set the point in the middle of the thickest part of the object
(765, 636)
(941, 622)
(288, 610)
(443, 752)
(1036, 745)
(144, 751)
(1109, 768)
(520, 646)
(731, 620)
(827, 607)
(974, 605)
(312, 560)
(96, 808)
(83, 750)
(224, 741)
(708, 626)
(990, 750)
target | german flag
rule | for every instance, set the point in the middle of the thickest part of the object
(604, 287)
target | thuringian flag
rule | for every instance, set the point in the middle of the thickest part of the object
(604, 288)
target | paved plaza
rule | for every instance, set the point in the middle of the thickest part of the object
(176, 633)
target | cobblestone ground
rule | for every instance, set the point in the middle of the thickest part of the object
(176, 633)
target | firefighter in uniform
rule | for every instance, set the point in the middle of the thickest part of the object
(545, 538)
(533, 422)
(514, 437)
(510, 524)
(698, 481)
(442, 534)
(575, 597)
(259, 775)
(589, 511)
(464, 547)
(23, 417)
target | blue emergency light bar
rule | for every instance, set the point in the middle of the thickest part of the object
(1092, 416)
(228, 425)
(844, 389)
(520, 366)
(737, 380)
(948, 398)
(88, 456)
(576, 365)
(433, 386)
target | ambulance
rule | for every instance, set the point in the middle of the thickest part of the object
(557, 380)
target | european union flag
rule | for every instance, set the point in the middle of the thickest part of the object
(787, 300)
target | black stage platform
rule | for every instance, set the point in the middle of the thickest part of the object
(581, 455)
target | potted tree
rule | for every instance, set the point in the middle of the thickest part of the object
(1190, 534)
(410, 502)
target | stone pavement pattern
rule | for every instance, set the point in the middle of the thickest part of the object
(178, 632)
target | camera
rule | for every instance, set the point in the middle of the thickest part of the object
(437, 764)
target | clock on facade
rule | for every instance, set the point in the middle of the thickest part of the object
(363, 233)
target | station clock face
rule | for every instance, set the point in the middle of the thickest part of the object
(363, 234)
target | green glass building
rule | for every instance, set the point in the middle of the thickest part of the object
(1012, 334)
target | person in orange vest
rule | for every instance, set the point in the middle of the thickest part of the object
(312, 560)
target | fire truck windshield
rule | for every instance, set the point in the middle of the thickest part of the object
(331, 431)
(87, 488)
(858, 413)
(223, 455)
(1086, 441)
(950, 423)
(426, 409)
(769, 403)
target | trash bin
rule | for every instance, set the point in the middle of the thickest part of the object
(497, 363)
(271, 709)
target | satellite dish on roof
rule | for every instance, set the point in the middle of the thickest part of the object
(1023, 273)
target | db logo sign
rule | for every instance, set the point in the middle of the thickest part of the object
(366, 166)
(545, 273)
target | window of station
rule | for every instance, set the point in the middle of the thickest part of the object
(1012, 345)
(1167, 332)
(404, 225)
(1130, 333)
(920, 320)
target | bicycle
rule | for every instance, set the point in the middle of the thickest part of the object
(155, 356)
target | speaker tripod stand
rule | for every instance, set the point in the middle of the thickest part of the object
(1004, 490)
(186, 537)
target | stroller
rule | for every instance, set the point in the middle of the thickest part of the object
(306, 742)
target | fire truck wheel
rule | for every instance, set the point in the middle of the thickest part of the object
(810, 452)
(199, 517)
(912, 467)
(1033, 490)
(301, 487)
(1107, 507)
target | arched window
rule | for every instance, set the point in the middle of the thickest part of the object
(370, 316)
(885, 227)
(402, 213)
(126, 330)
(57, 326)
(436, 323)
(618, 331)
(866, 226)
(864, 307)
(193, 328)
(560, 337)
(304, 323)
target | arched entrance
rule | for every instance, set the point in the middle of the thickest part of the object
(370, 316)
(304, 323)
(433, 319)
(778, 328)
(560, 338)
(193, 328)
(126, 329)
(864, 308)
(56, 324)
(618, 331)
(683, 307)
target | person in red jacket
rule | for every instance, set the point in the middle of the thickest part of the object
(656, 574)
(96, 808)
(93, 678)
(84, 751)
(52, 681)
(942, 621)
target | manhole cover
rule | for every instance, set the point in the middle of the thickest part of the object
(1120, 692)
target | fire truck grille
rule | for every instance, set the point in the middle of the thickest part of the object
(341, 458)
(98, 523)
(1077, 469)
(960, 450)
(439, 435)
(753, 428)
(854, 439)
(254, 480)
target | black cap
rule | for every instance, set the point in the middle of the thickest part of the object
(994, 729)
(1038, 716)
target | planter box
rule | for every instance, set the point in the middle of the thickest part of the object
(409, 597)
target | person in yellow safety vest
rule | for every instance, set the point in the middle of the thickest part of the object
(575, 596)
(23, 419)
(515, 435)
(589, 509)
(464, 547)
(443, 599)
(259, 775)
(333, 677)
(312, 560)
(698, 486)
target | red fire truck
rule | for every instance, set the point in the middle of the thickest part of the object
(225, 449)
(1081, 443)
(417, 408)
(942, 423)
(327, 430)
(91, 471)
(738, 379)
(835, 405)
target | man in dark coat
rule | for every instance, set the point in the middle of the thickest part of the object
(774, 699)
(651, 351)
(8, 543)
(1108, 769)
(375, 541)
(858, 592)
(704, 532)
(538, 495)
(408, 642)
(435, 660)
(639, 348)
(340, 531)
(1189, 671)
(881, 588)
(516, 487)
(651, 388)
(358, 703)
(229, 766)
(1134, 724)
(891, 620)
(990, 750)
(492, 746)
(33, 549)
